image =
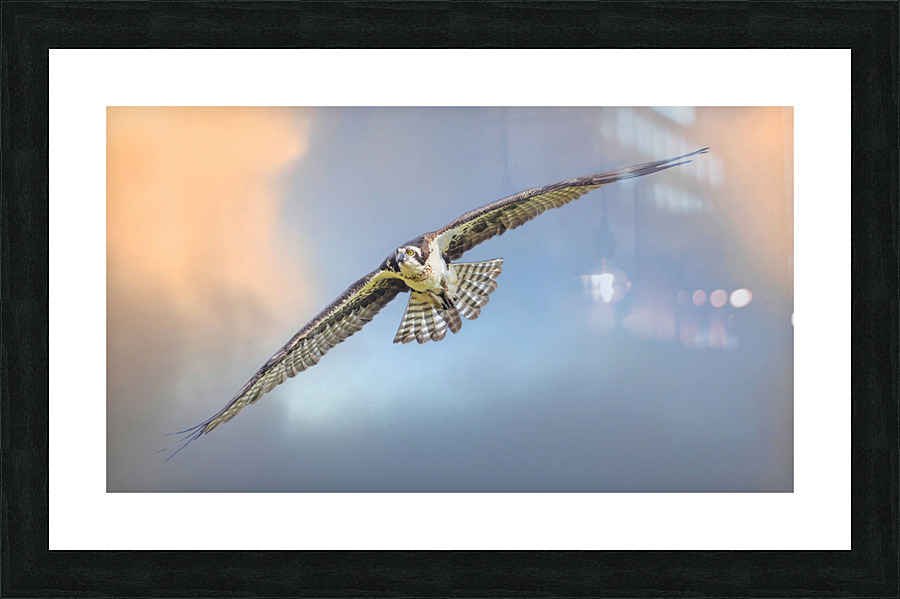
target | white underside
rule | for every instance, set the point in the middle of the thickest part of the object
(436, 275)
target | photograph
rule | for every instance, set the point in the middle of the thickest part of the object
(461, 299)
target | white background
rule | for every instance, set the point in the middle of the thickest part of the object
(84, 82)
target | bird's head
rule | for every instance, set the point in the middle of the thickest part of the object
(410, 259)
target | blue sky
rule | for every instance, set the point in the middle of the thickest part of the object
(549, 390)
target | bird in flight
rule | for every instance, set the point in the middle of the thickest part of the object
(442, 292)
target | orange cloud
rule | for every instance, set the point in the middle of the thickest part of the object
(194, 199)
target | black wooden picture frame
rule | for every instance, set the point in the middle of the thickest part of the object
(29, 29)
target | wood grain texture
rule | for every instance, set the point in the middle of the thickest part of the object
(28, 29)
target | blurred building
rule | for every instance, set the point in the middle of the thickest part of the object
(687, 280)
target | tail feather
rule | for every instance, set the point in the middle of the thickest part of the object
(475, 282)
(426, 320)
(428, 317)
(451, 315)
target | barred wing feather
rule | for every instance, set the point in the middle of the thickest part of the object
(338, 321)
(496, 218)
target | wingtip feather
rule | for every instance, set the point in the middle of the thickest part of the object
(187, 440)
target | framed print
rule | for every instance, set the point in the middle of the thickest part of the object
(676, 378)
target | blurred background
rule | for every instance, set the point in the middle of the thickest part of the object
(640, 339)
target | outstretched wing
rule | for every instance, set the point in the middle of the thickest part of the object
(343, 317)
(496, 218)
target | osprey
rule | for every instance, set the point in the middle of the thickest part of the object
(442, 292)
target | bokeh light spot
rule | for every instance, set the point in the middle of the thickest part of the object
(699, 297)
(741, 297)
(718, 298)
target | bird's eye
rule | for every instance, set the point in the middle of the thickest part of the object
(410, 253)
